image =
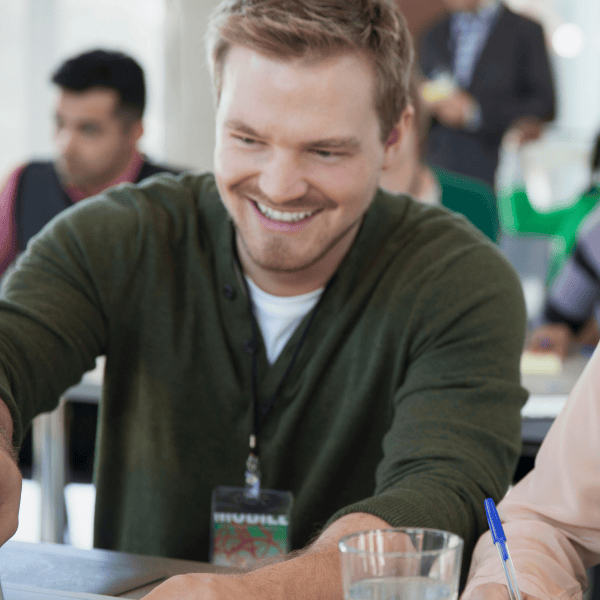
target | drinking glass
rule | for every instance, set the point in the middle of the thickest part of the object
(401, 564)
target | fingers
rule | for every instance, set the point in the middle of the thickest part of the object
(10, 496)
(555, 338)
(492, 591)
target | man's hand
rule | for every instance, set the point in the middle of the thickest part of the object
(10, 479)
(455, 110)
(313, 573)
(10, 495)
(494, 591)
(207, 586)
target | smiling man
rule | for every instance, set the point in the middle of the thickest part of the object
(282, 324)
(99, 106)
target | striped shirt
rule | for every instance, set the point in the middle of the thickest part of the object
(469, 32)
(574, 296)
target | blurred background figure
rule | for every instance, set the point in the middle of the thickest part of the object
(572, 308)
(98, 123)
(410, 174)
(518, 216)
(485, 67)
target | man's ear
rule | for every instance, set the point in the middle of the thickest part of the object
(397, 135)
(134, 130)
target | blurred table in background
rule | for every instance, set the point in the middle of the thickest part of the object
(548, 394)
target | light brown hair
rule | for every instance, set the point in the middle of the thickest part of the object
(312, 30)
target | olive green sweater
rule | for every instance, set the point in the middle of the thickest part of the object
(404, 401)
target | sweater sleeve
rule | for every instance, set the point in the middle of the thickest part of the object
(53, 320)
(454, 438)
(551, 517)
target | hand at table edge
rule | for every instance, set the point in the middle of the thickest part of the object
(10, 478)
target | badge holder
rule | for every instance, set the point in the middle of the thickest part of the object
(249, 524)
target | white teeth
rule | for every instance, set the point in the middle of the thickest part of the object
(289, 217)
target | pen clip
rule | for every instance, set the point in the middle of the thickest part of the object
(494, 522)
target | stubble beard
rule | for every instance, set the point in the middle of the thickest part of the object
(277, 256)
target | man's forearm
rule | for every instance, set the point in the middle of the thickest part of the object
(6, 430)
(312, 573)
(315, 572)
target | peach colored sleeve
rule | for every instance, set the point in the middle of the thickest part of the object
(8, 235)
(551, 518)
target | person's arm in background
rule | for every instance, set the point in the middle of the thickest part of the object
(490, 116)
(8, 238)
(571, 299)
(551, 518)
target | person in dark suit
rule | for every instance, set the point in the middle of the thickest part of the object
(486, 68)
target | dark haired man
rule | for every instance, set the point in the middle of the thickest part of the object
(98, 118)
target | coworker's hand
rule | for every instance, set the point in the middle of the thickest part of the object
(455, 110)
(494, 591)
(10, 494)
(208, 586)
(525, 129)
(555, 338)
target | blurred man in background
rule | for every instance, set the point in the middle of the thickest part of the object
(573, 302)
(410, 174)
(98, 118)
(485, 68)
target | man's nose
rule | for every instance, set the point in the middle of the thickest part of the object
(65, 142)
(282, 178)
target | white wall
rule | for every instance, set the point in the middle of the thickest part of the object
(37, 35)
(189, 111)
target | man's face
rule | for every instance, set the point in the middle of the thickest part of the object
(297, 160)
(93, 145)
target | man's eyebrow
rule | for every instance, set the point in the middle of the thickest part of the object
(241, 127)
(349, 143)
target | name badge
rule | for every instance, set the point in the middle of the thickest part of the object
(246, 529)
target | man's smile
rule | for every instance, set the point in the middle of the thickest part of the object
(286, 217)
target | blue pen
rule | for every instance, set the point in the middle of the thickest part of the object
(500, 541)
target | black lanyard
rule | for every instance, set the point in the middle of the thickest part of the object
(261, 410)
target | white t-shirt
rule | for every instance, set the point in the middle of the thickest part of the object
(278, 316)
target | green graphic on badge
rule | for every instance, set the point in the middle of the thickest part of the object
(245, 529)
